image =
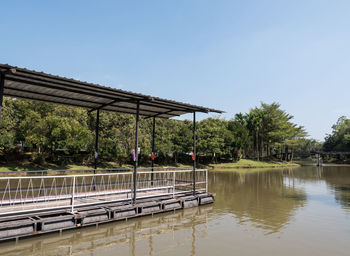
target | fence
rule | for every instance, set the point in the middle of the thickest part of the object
(23, 194)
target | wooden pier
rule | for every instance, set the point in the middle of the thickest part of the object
(32, 205)
(41, 222)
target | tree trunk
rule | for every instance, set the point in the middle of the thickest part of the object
(281, 152)
(286, 153)
(257, 144)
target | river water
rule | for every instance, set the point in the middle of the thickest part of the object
(301, 211)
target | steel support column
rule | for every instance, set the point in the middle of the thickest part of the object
(153, 137)
(96, 138)
(96, 142)
(194, 153)
(136, 153)
(2, 84)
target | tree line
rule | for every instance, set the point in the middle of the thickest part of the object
(339, 139)
(54, 133)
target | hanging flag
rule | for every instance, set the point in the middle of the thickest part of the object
(96, 155)
(153, 156)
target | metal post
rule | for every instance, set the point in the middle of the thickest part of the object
(173, 184)
(206, 181)
(136, 148)
(73, 194)
(96, 138)
(318, 161)
(194, 153)
(2, 85)
(96, 144)
(153, 137)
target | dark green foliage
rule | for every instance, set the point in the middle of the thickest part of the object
(265, 132)
(305, 147)
(57, 133)
(339, 139)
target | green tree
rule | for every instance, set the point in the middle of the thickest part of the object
(339, 139)
(211, 136)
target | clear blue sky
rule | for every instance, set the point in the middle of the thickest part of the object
(229, 55)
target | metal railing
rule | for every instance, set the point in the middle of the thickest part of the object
(84, 171)
(23, 194)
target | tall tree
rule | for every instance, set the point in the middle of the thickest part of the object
(339, 139)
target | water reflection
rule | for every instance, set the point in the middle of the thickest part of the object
(87, 241)
(272, 209)
(337, 179)
(268, 199)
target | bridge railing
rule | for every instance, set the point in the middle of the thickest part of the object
(23, 194)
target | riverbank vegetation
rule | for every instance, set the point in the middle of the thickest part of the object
(242, 164)
(246, 163)
(43, 134)
(338, 141)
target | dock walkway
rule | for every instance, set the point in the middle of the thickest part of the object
(40, 204)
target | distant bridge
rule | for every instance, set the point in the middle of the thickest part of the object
(329, 153)
(318, 155)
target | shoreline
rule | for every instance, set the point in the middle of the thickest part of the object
(242, 164)
(252, 164)
(257, 167)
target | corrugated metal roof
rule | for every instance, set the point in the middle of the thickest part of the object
(33, 85)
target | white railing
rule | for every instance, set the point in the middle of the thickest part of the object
(24, 194)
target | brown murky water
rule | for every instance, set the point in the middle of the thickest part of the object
(304, 211)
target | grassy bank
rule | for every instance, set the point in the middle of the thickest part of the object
(242, 164)
(246, 163)
(28, 166)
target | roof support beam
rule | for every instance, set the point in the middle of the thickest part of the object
(119, 100)
(103, 95)
(74, 84)
(66, 104)
(33, 85)
(98, 93)
(66, 89)
(173, 107)
(163, 113)
(70, 98)
(108, 104)
(53, 96)
(49, 101)
(123, 107)
(71, 82)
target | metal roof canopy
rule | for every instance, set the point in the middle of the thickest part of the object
(33, 85)
(27, 84)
